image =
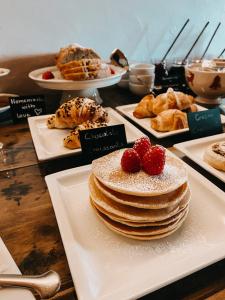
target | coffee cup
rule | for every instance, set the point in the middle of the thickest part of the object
(139, 89)
(142, 69)
(147, 80)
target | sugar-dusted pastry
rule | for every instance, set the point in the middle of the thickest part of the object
(168, 120)
(79, 63)
(77, 111)
(171, 100)
(75, 55)
(215, 155)
(144, 107)
(72, 141)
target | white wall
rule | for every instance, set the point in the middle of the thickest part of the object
(142, 29)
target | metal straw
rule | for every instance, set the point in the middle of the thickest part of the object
(210, 40)
(179, 33)
(221, 53)
(195, 42)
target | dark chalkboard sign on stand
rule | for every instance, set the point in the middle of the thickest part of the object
(23, 107)
(204, 123)
(101, 141)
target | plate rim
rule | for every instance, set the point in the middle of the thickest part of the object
(51, 180)
(121, 72)
(155, 133)
(183, 148)
(36, 140)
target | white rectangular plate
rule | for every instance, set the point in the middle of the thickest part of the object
(195, 150)
(145, 123)
(106, 266)
(48, 143)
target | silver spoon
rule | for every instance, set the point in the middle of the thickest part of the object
(46, 285)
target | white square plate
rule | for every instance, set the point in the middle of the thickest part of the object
(106, 266)
(195, 150)
(145, 123)
(48, 143)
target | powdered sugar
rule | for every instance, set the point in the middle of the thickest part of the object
(108, 170)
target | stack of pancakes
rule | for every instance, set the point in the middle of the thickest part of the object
(79, 63)
(138, 205)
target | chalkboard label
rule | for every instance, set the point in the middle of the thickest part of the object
(23, 107)
(204, 123)
(101, 141)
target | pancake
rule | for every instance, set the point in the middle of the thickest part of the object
(167, 221)
(139, 223)
(153, 202)
(126, 212)
(142, 231)
(215, 155)
(108, 171)
(147, 237)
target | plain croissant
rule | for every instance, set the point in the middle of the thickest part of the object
(77, 111)
(72, 141)
(144, 107)
(150, 106)
(171, 100)
(168, 120)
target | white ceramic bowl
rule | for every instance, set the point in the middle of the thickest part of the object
(143, 79)
(123, 83)
(142, 69)
(207, 82)
(139, 89)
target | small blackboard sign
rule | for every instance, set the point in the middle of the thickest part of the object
(204, 123)
(23, 107)
(101, 141)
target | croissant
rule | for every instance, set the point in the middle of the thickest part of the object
(171, 100)
(168, 120)
(72, 141)
(144, 107)
(77, 111)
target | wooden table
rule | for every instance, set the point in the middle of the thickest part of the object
(28, 225)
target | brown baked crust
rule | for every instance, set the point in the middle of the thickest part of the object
(75, 53)
(78, 63)
(77, 111)
(169, 120)
(72, 141)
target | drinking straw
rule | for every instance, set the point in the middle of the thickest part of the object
(210, 40)
(167, 52)
(195, 42)
(221, 53)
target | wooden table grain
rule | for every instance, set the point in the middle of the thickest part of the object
(28, 225)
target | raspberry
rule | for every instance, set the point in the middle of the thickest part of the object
(48, 75)
(130, 161)
(112, 71)
(142, 145)
(154, 160)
